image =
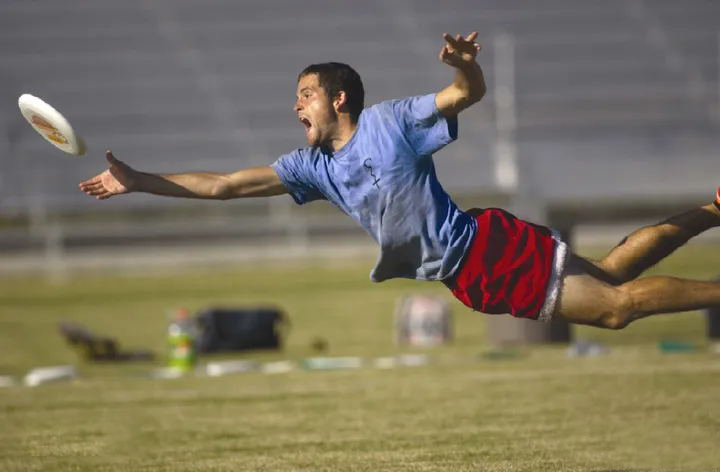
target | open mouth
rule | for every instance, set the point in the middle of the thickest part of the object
(306, 123)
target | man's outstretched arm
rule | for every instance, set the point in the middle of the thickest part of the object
(121, 178)
(469, 84)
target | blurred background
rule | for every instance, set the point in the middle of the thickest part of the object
(599, 116)
(593, 108)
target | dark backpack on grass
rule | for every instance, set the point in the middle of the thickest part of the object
(239, 329)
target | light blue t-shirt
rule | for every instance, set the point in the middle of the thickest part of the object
(384, 178)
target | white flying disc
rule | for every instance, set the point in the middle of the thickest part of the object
(51, 125)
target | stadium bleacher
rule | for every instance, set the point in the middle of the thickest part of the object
(622, 96)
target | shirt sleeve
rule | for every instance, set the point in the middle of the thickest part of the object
(295, 172)
(426, 129)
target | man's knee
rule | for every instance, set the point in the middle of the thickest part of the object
(621, 313)
(614, 321)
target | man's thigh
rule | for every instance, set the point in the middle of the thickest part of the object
(585, 297)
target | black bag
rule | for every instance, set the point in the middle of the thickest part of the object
(238, 329)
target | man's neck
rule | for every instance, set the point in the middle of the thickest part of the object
(345, 131)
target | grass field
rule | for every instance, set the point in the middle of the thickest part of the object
(634, 409)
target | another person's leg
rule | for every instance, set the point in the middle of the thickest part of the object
(647, 246)
(586, 299)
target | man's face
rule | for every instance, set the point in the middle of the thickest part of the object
(315, 111)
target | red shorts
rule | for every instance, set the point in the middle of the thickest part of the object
(511, 267)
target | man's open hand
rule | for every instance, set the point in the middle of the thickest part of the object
(459, 51)
(118, 179)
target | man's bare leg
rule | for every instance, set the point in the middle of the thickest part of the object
(586, 299)
(647, 246)
(606, 293)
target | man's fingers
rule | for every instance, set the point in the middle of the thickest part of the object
(87, 188)
(93, 188)
(100, 194)
(446, 55)
(461, 43)
(97, 180)
(92, 181)
(450, 40)
(96, 191)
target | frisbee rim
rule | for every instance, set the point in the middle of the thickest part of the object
(31, 105)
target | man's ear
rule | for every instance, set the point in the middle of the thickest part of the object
(340, 102)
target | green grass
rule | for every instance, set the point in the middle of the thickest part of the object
(635, 409)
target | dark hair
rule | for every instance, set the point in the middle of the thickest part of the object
(335, 77)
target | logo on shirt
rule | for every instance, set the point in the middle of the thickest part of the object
(367, 164)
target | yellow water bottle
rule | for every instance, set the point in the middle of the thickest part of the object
(181, 340)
